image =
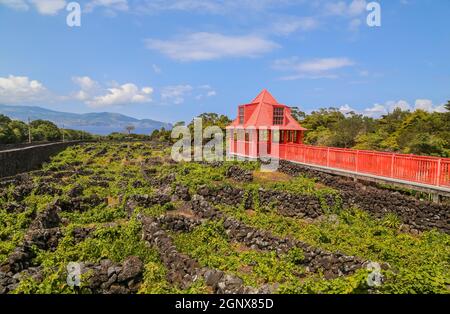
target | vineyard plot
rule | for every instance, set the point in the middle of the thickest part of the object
(128, 219)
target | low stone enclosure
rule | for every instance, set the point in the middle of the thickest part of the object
(185, 210)
(121, 278)
(15, 161)
(415, 215)
(420, 215)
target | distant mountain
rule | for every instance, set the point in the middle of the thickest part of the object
(97, 123)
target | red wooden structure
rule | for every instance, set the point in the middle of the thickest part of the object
(261, 123)
(265, 127)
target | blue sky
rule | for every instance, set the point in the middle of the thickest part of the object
(171, 60)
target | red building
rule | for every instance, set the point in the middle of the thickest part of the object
(265, 127)
(262, 122)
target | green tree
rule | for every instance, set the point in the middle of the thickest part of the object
(297, 114)
(321, 136)
(7, 135)
(20, 130)
(323, 117)
(4, 119)
(346, 130)
(428, 144)
(43, 130)
(212, 119)
(369, 141)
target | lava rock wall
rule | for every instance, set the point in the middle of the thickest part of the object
(418, 215)
(21, 160)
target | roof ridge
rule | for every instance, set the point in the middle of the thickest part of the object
(265, 96)
(259, 112)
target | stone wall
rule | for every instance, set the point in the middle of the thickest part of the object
(417, 215)
(21, 160)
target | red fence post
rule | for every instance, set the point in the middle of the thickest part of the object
(357, 160)
(438, 179)
(392, 165)
(405, 167)
(328, 157)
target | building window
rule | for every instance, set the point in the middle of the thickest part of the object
(278, 116)
(295, 136)
(263, 135)
(276, 136)
(239, 135)
(241, 115)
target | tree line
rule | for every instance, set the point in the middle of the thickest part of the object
(15, 131)
(410, 132)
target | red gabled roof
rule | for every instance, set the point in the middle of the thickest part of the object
(259, 113)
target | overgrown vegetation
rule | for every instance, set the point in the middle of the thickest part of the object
(114, 173)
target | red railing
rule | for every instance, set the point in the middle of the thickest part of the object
(420, 169)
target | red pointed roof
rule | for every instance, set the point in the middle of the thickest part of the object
(259, 113)
(266, 97)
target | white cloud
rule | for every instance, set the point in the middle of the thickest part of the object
(19, 89)
(211, 6)
(211, 93)
(336, 8)
(210, 46)
(440, 109)
(354, 24)
(316, 68)
(182, 5)
(110, 5)
(424, 104)
(88, 87)
(375, 111)
(156, 69)
(427, 105)
(346, 109)
(175, 94)
(322, 65)
(401, 104)
(287, 25)
(122, 95)
(378, 110)
(357, 7)
(85, 82)
(353, 8)
(206, 91)
(364, 73)
(15, 4)
(53, 7)
(95, 95)
(49, 7)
